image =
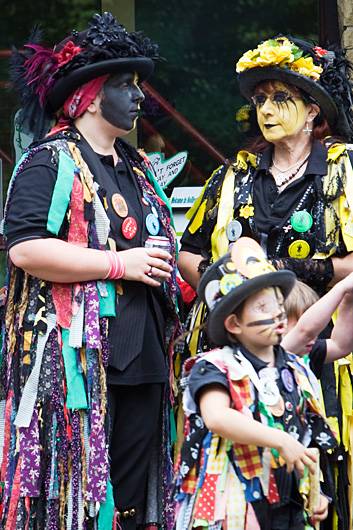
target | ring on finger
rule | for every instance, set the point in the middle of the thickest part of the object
(149, 273)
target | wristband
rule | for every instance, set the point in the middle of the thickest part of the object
(116, 266)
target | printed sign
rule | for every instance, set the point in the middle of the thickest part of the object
(167, 170)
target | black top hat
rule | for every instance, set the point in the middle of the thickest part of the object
(45, 78)
(323, 75)
(232, 279)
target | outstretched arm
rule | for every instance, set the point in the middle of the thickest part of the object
(316, 318)
(341, 341)
(233, 425)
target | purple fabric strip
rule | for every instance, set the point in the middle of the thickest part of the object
(98, 468)
(30, 458)
(92, 331)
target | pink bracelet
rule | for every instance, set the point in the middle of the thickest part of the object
(116, 266)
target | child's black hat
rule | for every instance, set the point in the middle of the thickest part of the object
(233, 278)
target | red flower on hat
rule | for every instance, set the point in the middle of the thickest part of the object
(320, 52)
(67, 53)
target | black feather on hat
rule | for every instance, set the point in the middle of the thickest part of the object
(46, 77)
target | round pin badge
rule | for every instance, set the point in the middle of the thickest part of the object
(287, 380)
(289, 406)
(119, 205)
(299, 249)
(269, 392)
(229, 282)
(278, 409)
(234, 230)
(129, 227)
(301, 221)
(211, 293)
(152, 224)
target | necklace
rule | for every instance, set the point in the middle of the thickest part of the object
(282, 178)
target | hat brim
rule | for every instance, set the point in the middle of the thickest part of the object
(66, 85)
(283, 279)
(249, 79)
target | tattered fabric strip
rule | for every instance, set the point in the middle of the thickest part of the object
(76, 328)
(61, 193)
(78, 230)
(30, 451)
(92, 331)
(98, 469)
(2, 428)
(29, 394)
(101, 218)
(76, 394)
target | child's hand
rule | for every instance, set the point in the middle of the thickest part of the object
(321, 512)
(295, 454)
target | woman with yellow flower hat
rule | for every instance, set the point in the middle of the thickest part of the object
(292, 191)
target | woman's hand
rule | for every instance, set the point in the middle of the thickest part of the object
(321, 512)
(295, 454)
(147, 265)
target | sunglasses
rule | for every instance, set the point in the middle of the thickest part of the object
(279, 97)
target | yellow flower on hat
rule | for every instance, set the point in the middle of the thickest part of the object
(279, 52)
(305, 66)
(246, 211)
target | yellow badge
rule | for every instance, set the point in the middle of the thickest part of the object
(299, 249)
(229, 282)
(246, 211)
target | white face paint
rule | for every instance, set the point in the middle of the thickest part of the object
(263, 320)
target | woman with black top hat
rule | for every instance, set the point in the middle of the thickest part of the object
(91, 311)
(291, 190)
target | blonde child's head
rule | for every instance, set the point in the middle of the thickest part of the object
(298, 301)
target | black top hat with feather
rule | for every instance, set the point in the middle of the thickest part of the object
(46, 77)
(322, 75)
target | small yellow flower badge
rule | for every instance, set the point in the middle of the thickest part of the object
(246, 211)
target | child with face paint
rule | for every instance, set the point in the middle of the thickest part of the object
(308, 316)
(252, 409)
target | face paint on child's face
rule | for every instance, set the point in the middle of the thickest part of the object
(264, 320)
(281, 112)
(121, 100)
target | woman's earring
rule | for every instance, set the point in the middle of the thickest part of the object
(307, 129)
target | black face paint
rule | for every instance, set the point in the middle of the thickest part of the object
(121, 100)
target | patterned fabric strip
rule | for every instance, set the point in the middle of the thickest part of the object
(2, 428)
(92, 331)
(29, 394)
(98, 469)
(62, 298)
(101, 218)
(76, 328)
(15, 496)
(235, 503)
(78, 230)
(30, 451)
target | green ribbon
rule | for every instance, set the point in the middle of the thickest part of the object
(61, 194)
(106, 511)
(76, 393)
(107, 306)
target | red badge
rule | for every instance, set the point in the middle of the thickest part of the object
(129, 227)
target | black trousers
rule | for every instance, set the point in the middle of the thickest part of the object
(288, 517)
(134, 413)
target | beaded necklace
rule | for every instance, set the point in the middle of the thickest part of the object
(282, 179)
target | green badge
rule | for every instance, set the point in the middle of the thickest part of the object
(301, 221)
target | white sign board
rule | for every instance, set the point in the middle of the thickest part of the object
(167, 170)
(181, 200)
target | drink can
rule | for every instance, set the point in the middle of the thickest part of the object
(161, 242)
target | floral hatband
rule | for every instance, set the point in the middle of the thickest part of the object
(283, 53)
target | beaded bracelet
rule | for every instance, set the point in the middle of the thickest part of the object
(116, 266)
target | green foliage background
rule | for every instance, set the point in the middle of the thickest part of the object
(201, 41)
